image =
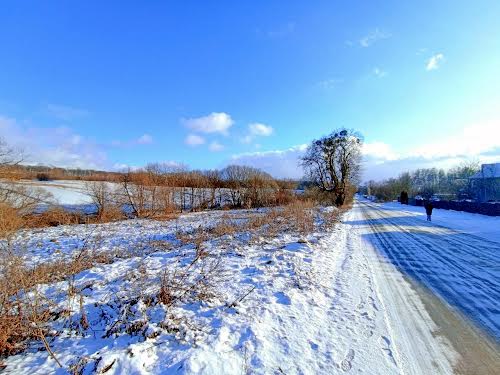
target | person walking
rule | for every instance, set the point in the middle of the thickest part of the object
(428, 210)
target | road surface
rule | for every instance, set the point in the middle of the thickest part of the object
(455, 275)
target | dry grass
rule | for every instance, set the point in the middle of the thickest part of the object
(53, 217)
(23, 312)
(300, 215)
(10, 221)
(56, 216)
(197, 281)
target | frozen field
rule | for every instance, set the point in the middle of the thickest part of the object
(64, 192)
(339, 300)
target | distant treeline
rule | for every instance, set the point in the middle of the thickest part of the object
(426, 182)
(170, 175)
(45, 173)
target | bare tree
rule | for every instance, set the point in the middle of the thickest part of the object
(19, 196)
(333, 163)
(101, 195)
(9, 156)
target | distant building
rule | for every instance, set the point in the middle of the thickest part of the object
(485, 184)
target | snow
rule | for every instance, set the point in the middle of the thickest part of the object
(483, 226)
(325, 303)
(64, 192)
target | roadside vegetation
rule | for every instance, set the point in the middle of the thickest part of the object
(196, 266)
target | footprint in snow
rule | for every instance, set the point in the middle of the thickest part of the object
(346, 363)
(282, 298)
(313, 345)
(385, 345)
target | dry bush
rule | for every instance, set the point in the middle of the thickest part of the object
(23, 312)
(283, 197)
(225, 227)
(111, 213)
(329, 218)
(301, 215)
(54, 217)
(10, 221)
(196, 281)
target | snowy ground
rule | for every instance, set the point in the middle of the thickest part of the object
(480, 225)
(328, 303)
(64, 192)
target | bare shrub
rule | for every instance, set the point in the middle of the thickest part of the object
(53, 217)
(111, 213)
(301, 215)
(10, 221)
(102, 196)
(224, 227)
(24, 313)
(197, 281)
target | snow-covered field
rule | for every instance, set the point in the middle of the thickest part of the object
(64, 192)
(326, 303)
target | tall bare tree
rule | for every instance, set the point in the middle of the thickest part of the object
(333, 163)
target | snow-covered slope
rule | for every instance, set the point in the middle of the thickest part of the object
(324, 304)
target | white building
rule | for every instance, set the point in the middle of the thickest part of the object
(486, 183)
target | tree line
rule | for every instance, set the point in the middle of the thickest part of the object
(426, 182)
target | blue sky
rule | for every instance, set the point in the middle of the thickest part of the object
(114, 84)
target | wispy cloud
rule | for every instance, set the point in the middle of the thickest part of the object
(373, 37)
(379, 72)
(215, 146)
(216, 122)
(63, 112)
(280, 31)
(194, 140)
(279, 163)
(257, 129)
(421, 51)
(329, 83)
(57, 146)
(435, 62)
(145, 139)
(168, 164)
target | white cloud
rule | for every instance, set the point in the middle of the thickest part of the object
(373, 37)
(257, 130)
(168, 164)
(480, 141)
(278, 163)
(215, 146)
(379, 72)
(194, 140)
(379, 150)
(145, 139)
(64, 112)
(471, 140)
(216, 122)
(435, 62)
(57, 146)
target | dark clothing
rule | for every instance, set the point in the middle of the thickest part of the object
(428, 208)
